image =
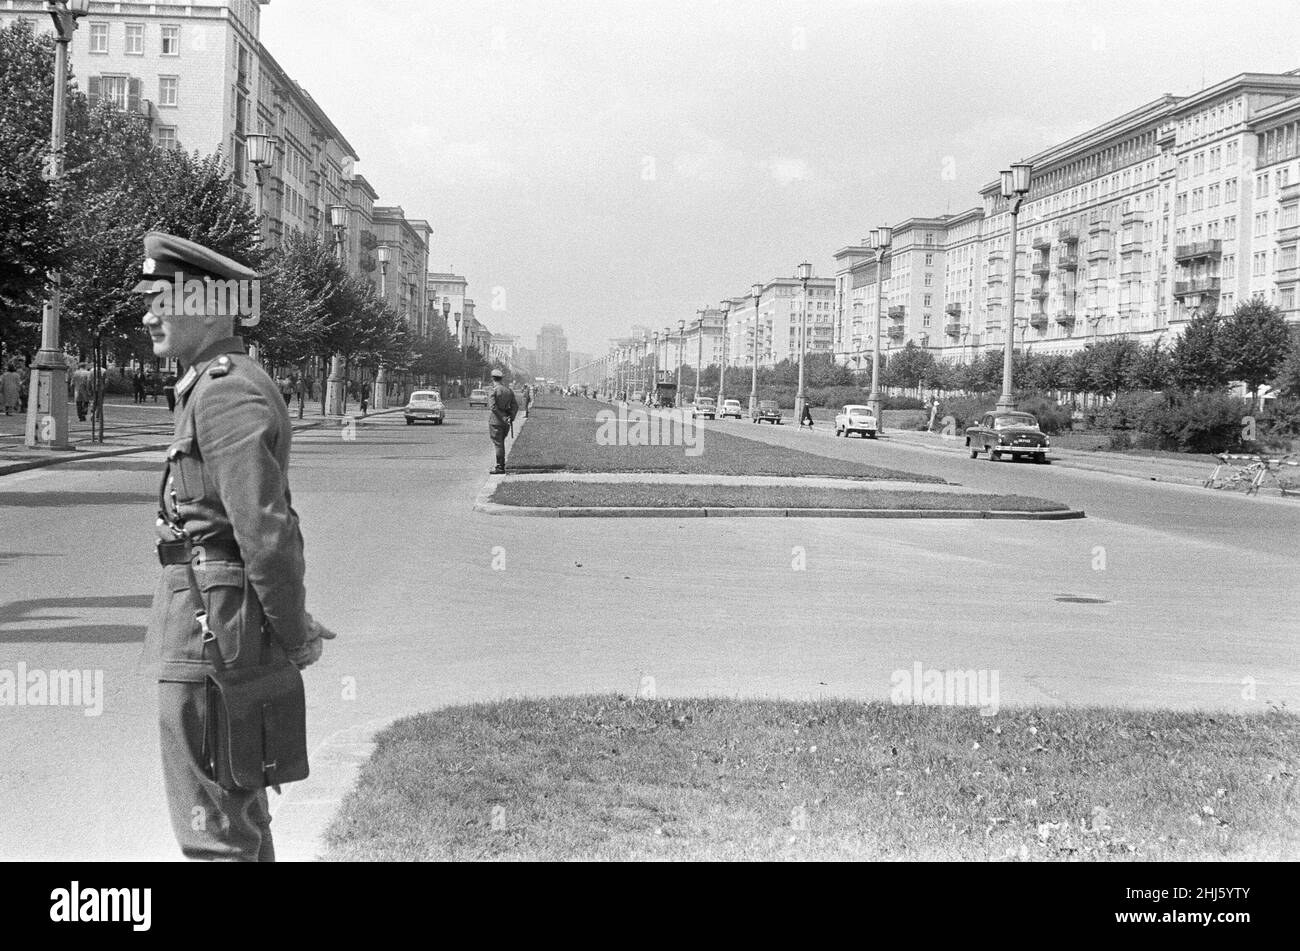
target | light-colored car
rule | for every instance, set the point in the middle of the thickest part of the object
(856, 418)
(478, 397)
(730, 408)
(424, 406)
(703, 406)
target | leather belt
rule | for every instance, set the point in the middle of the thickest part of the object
(174, 553)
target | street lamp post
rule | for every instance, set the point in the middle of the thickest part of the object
(681, 343)
(804, 274)
(260, 157)
(460, 355)
(380, 396)
(755, 291)
(47, 404)
(1015, 185)
(722, 366)
(335, 383)
(879, 240)
(699, 356)
(653, 393)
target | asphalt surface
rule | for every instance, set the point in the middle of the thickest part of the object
(1163, 597)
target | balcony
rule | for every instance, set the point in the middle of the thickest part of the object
(1065, 318)
(993, 296)
(1068, 236)
(952, 328)
(1288, 275)
(1130, 245)
(1287, 235)
(1202, 286)
(1039, 293)
(1099, 253)
(1199, 249)
(997, 277)
(897, 312)
(1041, 267)
(1038, 319)
(1099, 226)
(952, 310)
(896, 333)
(1068, 262)
(1041, 243)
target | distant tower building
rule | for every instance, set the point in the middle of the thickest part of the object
(552, 353)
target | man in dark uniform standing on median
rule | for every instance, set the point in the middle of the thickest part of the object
(226, 494)
(502, 407)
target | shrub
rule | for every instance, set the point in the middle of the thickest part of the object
(903, 402)
(833, 397)
(966, 410)
(1126, 409)
(1052, 417)
(1204, 422)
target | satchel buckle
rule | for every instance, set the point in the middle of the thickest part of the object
(202, 618)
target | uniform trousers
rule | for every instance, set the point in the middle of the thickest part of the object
(210, 823)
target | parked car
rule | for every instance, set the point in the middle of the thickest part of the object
(478, 397)
(424, 406)
(703, 406)
(766, 410)
(730, 408)
(856, 418)
(1007, 434)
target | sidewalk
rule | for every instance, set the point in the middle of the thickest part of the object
(128, 428)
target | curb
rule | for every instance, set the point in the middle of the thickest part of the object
(77, 455)
(631, 511)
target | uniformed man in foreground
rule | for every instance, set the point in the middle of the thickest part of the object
(227, 490)
(502, 408)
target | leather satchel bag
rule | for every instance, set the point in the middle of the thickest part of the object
(255, 731)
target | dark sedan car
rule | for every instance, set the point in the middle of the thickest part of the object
(1007, 434)
(766, 410)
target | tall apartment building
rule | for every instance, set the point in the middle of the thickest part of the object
(407, 240)
(777, 322)
(552, 360)
(1181, 205)
(446, 294)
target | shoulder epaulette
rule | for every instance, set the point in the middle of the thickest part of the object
(220, 367)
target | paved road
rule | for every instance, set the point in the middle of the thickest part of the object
(402, 567)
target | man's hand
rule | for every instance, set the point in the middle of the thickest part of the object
(310, 652)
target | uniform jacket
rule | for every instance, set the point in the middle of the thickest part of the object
(229, 488)
(503, 406)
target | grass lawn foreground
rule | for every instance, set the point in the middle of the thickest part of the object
(612, 778)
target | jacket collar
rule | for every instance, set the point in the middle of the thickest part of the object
(206, 356)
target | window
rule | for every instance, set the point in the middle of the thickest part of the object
(929, 260)
(1261, 224)
(1229, 267)
(135, 39)
(926, 298)
(929, 279)
(1213, 198)
(166, 136)
(1261, 186)
(1230, 190)
(1230, 228)
(1259, 264)
(114, 89)
(171, 41)
(168, 88)
(99, 37)
(1230, 153)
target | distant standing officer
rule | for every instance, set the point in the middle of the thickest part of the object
(227, 491)
(503, 407)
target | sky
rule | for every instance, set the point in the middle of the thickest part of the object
(605, 164)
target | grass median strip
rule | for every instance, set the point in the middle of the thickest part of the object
(570, 435)
(671, 495)
(609, 778)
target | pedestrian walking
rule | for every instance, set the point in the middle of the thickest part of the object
(11, 385)
(169, 391)
(229, 617)
(502, 408)
(299, 390)
(137, 385)
(807, 416)
(528, 399)
(365, 397)
(82, 383)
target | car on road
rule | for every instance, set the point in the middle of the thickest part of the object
(478, 397)
(856, 418)
(424, 406)
(1007, 433)
(766, 410)
(730, 408)
(703, 406)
